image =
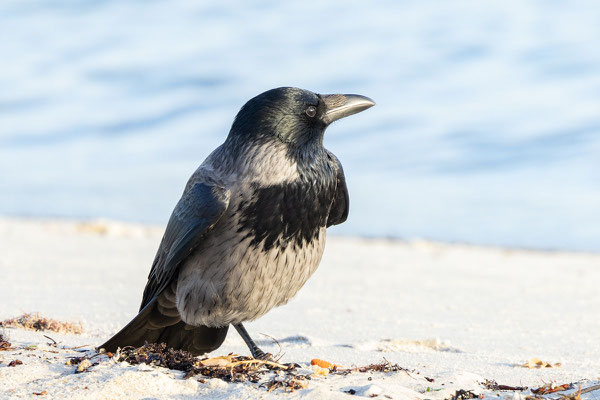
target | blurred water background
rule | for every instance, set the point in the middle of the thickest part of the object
(486, 129)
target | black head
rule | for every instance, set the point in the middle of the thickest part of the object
(294, 116)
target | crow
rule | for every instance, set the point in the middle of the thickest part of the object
(249, 229)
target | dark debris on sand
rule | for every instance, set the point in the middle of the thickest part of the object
(463, 395)
(385, 366)
(230, 369)
(493, 385)
(36, 322)
(270, 375)
(4, 343)
(159, 355)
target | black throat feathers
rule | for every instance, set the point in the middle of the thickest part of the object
(291, 212)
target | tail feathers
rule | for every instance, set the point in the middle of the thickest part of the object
(159, 324)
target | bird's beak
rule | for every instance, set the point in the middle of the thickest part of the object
(342, 105)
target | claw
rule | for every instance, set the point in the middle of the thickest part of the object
(261, 355)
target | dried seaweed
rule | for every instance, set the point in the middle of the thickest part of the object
(384, 366)
(493, 385)
(4, 343)
(231, 369)
(35, 322)
(159, 355)
(463, 394)
(288, 383)
(552, 388)
(270, 375)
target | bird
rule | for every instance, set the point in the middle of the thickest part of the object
(249, 229)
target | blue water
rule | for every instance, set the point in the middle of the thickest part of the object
(487, 127)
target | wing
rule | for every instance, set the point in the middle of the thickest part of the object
(338, 212)
(198, 210)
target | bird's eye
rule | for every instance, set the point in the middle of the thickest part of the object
(311, 111)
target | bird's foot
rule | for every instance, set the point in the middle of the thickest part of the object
(258, 354)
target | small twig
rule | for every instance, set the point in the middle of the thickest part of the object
(276, 356)
(579, 392)
(255, 361)
(403, 369)
(590, 389)
(53, 341)
(78, 347)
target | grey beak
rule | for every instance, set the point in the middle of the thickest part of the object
(342, 105)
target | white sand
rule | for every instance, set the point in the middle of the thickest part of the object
(455, 313)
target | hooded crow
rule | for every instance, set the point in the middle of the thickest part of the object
(249, 229)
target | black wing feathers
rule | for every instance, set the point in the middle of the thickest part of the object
(340, 206)
(198, 210)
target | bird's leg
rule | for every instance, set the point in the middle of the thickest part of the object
(256, 352)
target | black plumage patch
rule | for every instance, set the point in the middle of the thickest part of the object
(287, 213)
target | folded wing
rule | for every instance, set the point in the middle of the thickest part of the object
(201, 206)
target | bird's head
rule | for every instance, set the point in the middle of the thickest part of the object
(293, 116)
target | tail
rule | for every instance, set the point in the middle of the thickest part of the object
(159, 322)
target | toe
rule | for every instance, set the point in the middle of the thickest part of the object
(260, 355)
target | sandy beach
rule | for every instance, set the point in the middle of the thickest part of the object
(480, 160)
(453, 316)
